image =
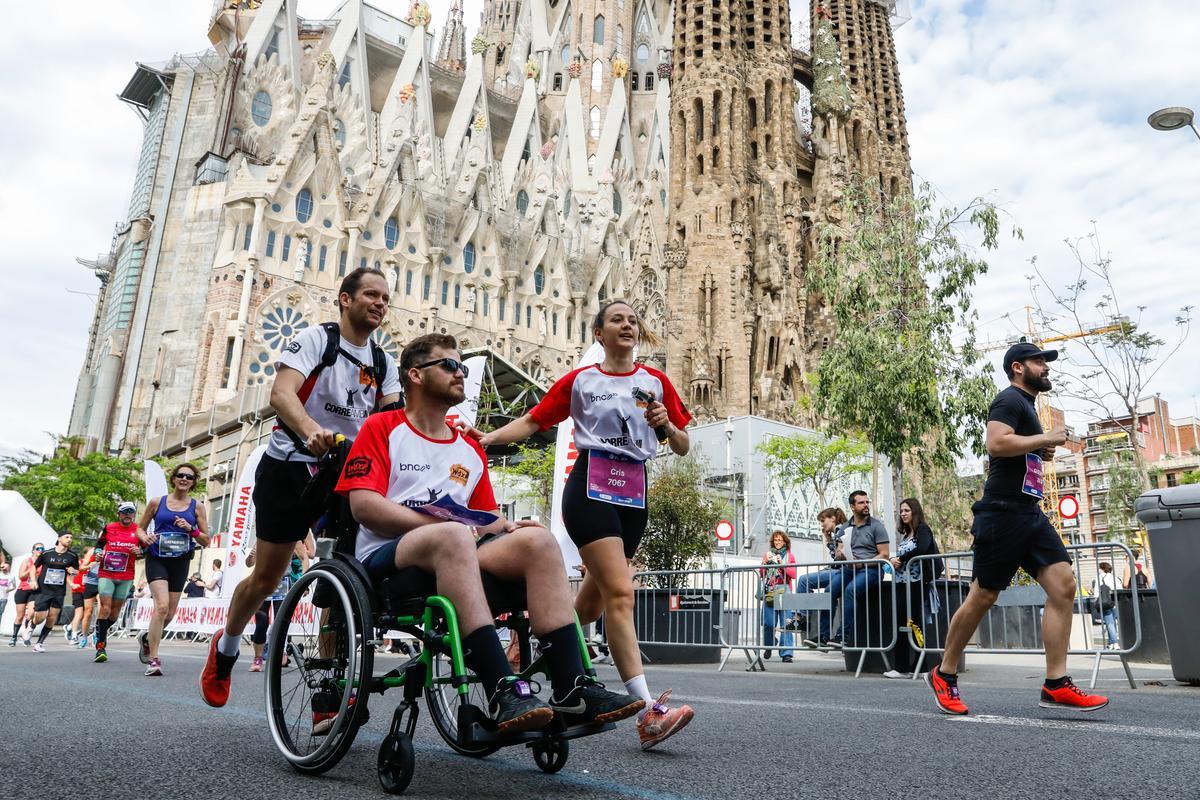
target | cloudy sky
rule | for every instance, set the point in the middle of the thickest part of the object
(1039, 106)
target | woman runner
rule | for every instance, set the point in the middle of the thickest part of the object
(622, 410)
(27, 588)
(178, 520)
(120, 545)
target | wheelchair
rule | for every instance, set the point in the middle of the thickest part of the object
(327, 627)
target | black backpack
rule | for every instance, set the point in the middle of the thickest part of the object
(333, 348)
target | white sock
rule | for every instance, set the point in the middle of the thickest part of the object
(637, 687)
(228, 645)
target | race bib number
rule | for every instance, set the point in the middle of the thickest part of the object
(172, 543)
(55, 577)
(1033, 485)
(616, 479)
(115, 561)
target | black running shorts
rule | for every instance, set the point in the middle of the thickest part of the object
(23, 596)
(47, 600)
(590, 520)
(172, 570)
(1011, 536)
(279, 516)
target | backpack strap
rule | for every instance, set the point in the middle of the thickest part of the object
(333, 342)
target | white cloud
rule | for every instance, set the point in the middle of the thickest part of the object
(1044, 107)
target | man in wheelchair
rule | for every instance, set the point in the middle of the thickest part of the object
(421, 494)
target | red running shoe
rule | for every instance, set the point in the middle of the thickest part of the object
(215, 677)
(945, 693)
(1071, 697)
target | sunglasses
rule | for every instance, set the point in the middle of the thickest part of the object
(451, 365)
(39, 549)
(185, 476)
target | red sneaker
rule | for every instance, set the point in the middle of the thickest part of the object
(214, 689)
(1071, 697)
(662, 722)
(945, 694)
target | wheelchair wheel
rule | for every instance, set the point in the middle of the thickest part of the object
(314, 704)
(395, 767)
(442, 700)
(551, 755)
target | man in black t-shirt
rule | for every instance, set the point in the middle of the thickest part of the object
(1011, 532)
(55, 568)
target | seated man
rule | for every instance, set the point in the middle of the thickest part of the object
(832, 521)
(866, 538)
(408, 458)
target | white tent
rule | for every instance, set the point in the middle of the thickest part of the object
(20, 527)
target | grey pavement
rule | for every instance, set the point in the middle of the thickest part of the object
(799, 730)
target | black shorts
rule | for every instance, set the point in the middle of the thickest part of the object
(25, 596)
(47, 600)
(1010, 536)
(590, 520)
(172, 570)
(90, 590)
(279, 516)
(77, 599)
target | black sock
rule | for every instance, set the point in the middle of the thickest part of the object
(16, 630)
(484, 655)
(45, 632)
(950, 677)
(1057, 683)
(561, 648)
(102, 627)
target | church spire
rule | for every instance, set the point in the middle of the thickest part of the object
(452, 52)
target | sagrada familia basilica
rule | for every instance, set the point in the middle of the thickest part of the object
(676, 154)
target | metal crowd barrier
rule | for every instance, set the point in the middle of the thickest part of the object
(1014, 623)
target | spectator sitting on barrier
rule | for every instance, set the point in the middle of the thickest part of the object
(865, 538)
(914, 538)
(776, 581)
(1104, 589)
(831, 520)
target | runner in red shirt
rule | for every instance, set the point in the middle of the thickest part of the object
(118, 550)
(622, 412)
(423, 498)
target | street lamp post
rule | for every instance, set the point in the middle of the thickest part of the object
(1172, 119)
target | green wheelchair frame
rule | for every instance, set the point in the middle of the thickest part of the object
(344, 603)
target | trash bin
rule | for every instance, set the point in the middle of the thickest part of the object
(1172, 519)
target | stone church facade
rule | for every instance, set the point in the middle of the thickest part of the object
(573, 151)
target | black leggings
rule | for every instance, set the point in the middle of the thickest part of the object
(262, 620)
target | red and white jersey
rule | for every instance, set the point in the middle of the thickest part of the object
(392, 458)
(606, 414)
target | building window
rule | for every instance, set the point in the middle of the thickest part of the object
(516, 313)
(445, 292)
(595, 126)
(287, 248)
(528, 316)
(308, 254)
(342, 263)
(304, 205)
(457, 294)
(567, 202)
(408, 276)
(566, 55)
(468, 258)
(344, 78)
(487, 304)
(597, 75)
(270, 244)
(554, 323)
(643, 52)
(273, 45)
(391, 233)
(620, 40)
(247, 236)
(321, 258)
(339, 132)
(616, 202)
(522, 202)
(503, 303)
(539, 279)
(362, 262)
(557, 84)
(649, 81)
(633, 81)
(425, 287)
(598, 29)
(260, 109)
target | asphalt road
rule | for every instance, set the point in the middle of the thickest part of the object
(809, 731)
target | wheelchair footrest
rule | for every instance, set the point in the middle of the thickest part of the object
(476, 729)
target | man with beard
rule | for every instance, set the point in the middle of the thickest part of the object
(1011, 532)
(403, 462)
(328, 379)
(55, 567)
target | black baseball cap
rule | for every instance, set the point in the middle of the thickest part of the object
(1024, 350)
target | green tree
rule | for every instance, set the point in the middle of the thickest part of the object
(947, 498)
(1124, 483)
(79, 494)
(813, 460)
(537, 465)
(679, 531)
(1190, 477)
(904, 371)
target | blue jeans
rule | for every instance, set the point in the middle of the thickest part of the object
(826, 578)
(1110, 624)
(856, 582)
(774, 618)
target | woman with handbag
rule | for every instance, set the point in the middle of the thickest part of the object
(1105, 588)
(914, 538)
(776, 580)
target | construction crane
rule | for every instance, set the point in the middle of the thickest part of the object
(1033, 336)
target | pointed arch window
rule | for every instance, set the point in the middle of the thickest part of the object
(391, 233)
(643, 23)
(616, 203)
(539, 279)
(566, 55)
(324, 251)
(643, 52)
(445, 292)
(597, 75)
(457, 294)
(595, 127)
(567, 202)
(598, 29)
(304, 205)
(344, 78)
(287, 248)
(469, 258)
(620, 40)
(342, 263)
(522, 202)
(270, 244)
